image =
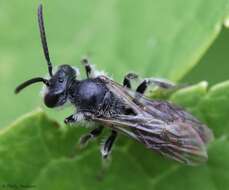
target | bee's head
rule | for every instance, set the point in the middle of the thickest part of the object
(56, 91)
(57, 86)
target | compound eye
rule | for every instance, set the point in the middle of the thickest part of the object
(51, 100)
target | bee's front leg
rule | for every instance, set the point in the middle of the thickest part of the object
(107, 146)
(77, 117)
(88, 67)
(91, 72)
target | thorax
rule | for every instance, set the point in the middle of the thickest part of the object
(87, 94)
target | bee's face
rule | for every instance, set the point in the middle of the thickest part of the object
(56, 91)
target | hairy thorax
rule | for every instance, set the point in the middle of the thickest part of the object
(88, 95)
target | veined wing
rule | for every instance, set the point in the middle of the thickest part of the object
(174, 114)
(178, 140)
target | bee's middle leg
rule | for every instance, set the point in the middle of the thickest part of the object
(128, 78)
(91, 135)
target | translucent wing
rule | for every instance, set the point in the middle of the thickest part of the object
(161, 126)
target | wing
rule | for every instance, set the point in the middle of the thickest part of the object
(161, 126)
(177, 141)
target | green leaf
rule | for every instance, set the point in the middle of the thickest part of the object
(150, 37)
(215, 109)
(210, 105)
(216, 57)
(23, 151)
(30, 144)
(127, 172)
(190, 98)
(213, 175)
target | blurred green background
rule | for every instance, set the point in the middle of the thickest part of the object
(183, 41)
(164, 39)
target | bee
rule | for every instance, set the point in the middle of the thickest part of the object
(159, 125)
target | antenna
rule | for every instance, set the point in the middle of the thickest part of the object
(29, 82)
(43, 38)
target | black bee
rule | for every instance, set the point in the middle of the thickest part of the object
(159, 125)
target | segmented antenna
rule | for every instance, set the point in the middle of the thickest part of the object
(29, 82)
(43, 38)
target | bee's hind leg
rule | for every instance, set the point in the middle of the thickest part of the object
(107, 146)
(91, 135)
(106, 149)
(141, 89)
